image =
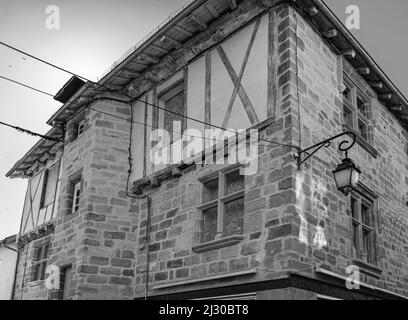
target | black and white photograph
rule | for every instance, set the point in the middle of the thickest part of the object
(198, 157)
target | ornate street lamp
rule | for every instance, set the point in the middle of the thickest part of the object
(346, 174)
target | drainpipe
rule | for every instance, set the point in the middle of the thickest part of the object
(13, 290)
(146, 244)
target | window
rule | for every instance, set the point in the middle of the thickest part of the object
(357, 111)
(223, 206)
(44, 189)
(65, 282)
(76, 196)
(173, 102)
(81, 127)
(40, 262)
(362, 213)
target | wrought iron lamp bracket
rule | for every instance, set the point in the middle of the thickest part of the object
(344, 146)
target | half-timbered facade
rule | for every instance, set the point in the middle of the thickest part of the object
(125, 227)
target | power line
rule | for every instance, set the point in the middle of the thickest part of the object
(103, 112)
(42, 61)
(134, 99)
(29, 132)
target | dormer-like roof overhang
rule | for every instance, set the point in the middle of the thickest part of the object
(196, 16)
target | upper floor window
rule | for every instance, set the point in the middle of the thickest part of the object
(363, 227)
(80, 127)
(44, 189)
(223, 206)
(357, 111)
(40, 262)
(173, 101)
(76, 196)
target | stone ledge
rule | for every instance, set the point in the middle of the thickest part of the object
(362, 142)
(208, 278)
(37, 283)
(368, 268)
(218, 243)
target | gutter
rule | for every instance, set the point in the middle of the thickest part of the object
(359, 48)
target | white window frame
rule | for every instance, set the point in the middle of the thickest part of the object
(355, 94)
(369, 255)
(40, 261)
(76, 196)
(220, 201)
(81, 127)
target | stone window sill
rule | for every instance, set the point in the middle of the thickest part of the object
(369, 269)
(219, 276)
(362, 142)
(218, 243)
(37, 283)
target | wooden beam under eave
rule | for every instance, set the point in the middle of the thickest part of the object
(396, 108)
(385, 96)
(349, 53)
(148, 58)
(176, 44)
(332, 33)
(158, 48)
(198, 23)
(377, 85)
(133, 91)
(232, 4)
(364, 71)
(152, 77)
(183, 31)
(313, 11)
(211, 9)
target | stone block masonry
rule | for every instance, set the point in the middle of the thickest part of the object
(105, 241)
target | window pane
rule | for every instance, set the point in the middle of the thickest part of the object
(175, 105)
(234, 217)
(38, 254)
(362, 129)
(51, 185)
(209, 224)
(354, 209)
(348, 116)
(347, 93)
(81, 127)
(355, 241)
(234, 182)
(43, 266)
(66, 282)
(210, 191)
(366, 214)
(45, 251)
(363, 107)
(44, 189)
(367, 244)
(36, 273)
(77, 196)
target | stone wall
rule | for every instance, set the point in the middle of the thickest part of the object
(321, 107)
(107, 243)
(269, 218)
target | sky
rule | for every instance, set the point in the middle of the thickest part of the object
(94, 33)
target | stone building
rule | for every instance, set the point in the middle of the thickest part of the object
(120, 226)
(8, 263)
